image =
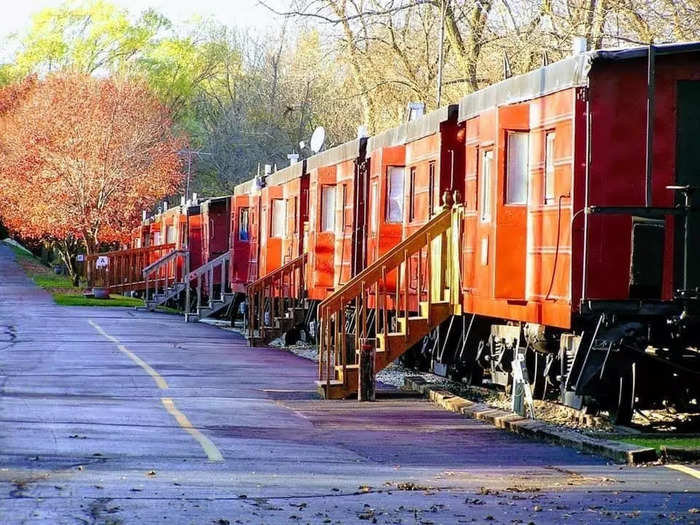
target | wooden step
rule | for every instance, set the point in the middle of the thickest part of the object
(396, 343)
(414, 323)
(342, 386)
(439, 309)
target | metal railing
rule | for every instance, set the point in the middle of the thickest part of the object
(271, 295)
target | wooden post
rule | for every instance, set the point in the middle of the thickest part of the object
(186, 280)
(365, 377)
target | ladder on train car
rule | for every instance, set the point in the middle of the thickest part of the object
(276, 302)
(395, 302)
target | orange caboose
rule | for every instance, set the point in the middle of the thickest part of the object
(334, 229)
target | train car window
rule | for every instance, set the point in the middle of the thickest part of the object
(345, 203)
(243, 234)
(375, 207)
(412, 195)
(549, 167)
(328, 208)
(170, 234)
(294, 218)
(279, 216)
(394, 196)
(431, 188)
(486, 182)
(517, 167)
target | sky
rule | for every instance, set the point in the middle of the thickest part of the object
(16, 14)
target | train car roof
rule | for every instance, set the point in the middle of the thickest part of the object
(566, 73)
(414, 130)
(291, 172)
(336, 155)
(244, 188)
(215, 200)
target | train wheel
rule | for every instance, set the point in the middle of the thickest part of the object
(621, 411)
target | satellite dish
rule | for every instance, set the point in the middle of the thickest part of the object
(317, 139)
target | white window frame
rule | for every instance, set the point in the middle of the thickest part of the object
(278, 219)
(374, 213)
(517, 167)
(328, 194)
(486, 185)
(395, 194)
(549, 172)
(241, 213)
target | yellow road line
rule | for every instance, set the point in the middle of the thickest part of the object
(685, 470)
(209, 448)
(136, 359)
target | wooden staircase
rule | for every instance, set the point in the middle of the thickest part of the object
(392, 304)
(167, 275)
(276, 302)
(211, 287)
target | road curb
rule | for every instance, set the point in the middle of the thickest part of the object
(512, 422)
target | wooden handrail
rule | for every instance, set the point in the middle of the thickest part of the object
(163, 260)
(132, 251)
(125, 269)
(273, 293)
(204, 279)
(388, 262)
(211, 264)
(275, 274)
(420, 271)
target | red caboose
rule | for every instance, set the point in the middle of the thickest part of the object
(572, 228)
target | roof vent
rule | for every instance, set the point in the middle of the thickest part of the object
(362, 131)
(580, 45)
(268, 169)
(293, 158)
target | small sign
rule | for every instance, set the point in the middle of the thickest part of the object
(80, 257)
(522, 402)
(102, 262)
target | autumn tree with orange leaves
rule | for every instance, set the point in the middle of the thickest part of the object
(81, 157)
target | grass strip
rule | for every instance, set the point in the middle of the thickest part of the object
(79, 300)
(657, 443)
(61, 287)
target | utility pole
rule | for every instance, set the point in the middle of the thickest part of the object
(441, 45)
(189, 153)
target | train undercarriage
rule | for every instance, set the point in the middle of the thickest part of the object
(617, 358)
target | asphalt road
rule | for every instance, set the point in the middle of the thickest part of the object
(115, 416)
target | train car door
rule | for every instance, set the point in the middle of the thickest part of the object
(253, 236)
(687, 173)
(360, 213)
(485, 217)
(510, 253)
